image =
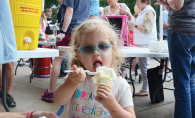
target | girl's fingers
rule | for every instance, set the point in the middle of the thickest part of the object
(102, 95)
(103, 91)
(76, 71)
(74, 67)
(81, 70)
(104, 88)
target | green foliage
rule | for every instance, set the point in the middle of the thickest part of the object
(54, 14)
(103, 3)
(131, 4)
(49, 3)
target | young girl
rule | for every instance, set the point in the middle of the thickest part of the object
(94, 43)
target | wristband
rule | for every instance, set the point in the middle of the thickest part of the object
(29, 114)
(61, 31)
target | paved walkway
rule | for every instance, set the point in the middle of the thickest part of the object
(28, 97)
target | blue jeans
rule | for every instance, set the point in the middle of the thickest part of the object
(182, 57)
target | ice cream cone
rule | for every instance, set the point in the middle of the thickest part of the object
(106, 77)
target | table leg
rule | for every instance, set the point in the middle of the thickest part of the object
(31, 76)
(131, 77)
(17, 65)
(4, 87)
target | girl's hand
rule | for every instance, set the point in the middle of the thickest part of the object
(131, 24)
(123, 12)
(105, 97)
(77, 76)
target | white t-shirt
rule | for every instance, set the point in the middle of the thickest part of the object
(83, 103)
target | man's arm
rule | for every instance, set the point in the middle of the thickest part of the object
(67, 18)
(176, 4)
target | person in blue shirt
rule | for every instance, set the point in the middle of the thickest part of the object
(94, 10)
(73, 13)
(8, 50)
(165, 22)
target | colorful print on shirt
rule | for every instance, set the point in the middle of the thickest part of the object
(84, 104)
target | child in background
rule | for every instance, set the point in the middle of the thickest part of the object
(94, 43)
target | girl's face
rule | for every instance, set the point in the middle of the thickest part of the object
(112, 2)
(141, 5)
(96, 59)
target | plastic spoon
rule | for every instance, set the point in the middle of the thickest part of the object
(88, 72)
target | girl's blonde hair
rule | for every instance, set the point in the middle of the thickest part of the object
(89, 26)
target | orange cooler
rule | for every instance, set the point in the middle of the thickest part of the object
(26, 19)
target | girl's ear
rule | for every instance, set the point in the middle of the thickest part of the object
(77, 54)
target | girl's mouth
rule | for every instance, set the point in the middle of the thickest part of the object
(97, 64)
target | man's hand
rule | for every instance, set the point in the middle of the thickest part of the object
(161, 2)
(59, 37)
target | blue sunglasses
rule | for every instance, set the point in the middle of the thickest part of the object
(89, 49)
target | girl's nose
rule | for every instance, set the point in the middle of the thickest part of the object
(96, 53)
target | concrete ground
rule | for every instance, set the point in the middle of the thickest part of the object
(28, 96)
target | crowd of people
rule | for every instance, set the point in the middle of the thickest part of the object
(80, 27)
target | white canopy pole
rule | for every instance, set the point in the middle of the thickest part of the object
(161, 23)
(43, 3)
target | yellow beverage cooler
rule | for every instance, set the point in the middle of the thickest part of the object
(26, 19)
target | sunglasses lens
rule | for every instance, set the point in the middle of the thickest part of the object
(88, 49)
(103, 47)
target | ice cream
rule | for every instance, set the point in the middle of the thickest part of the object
(106, 77)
